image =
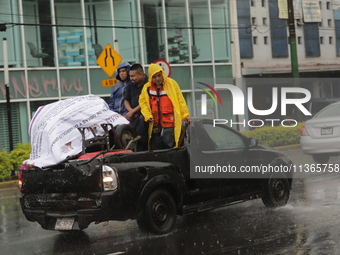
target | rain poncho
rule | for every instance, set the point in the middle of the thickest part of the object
(174, 93)
(116, 102)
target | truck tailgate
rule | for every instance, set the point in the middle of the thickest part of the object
(60, 179)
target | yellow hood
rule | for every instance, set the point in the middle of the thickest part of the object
(154, 68)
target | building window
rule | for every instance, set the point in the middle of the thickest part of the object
(321, 39)
(265, 40)
(263, 3)
(39, 43)
(245, 37)
(328, 5)
(329, 22)
(320, 4)
(299, 40)
(264, 21)
(330, 39)
(220, 37)
(253, 21)
(278, 31)
(15, 113)
(311, 39)
(252, 2)
(175, 43)
(255, 39)
(321, 24)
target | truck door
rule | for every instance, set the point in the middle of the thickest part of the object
(226, 153)
(202, 187)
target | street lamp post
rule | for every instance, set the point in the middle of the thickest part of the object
(8, 104)
(292, 40)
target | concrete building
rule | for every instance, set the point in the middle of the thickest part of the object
(53, 46)
(265, 47)
(265, 40)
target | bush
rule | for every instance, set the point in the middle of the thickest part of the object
(5, 166)
(19, 154)
(12, 161)
(276, 136)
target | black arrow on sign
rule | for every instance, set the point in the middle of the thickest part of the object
(106, 56)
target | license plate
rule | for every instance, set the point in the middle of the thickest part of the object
(64, 223)
(327, 131)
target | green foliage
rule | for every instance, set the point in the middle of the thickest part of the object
(5, 166)
(276, 136)
(19, 154)
(12, 161)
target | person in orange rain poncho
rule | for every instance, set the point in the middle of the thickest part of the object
(164, 108)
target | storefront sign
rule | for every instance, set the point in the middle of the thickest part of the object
(283, 9)
(311, 11)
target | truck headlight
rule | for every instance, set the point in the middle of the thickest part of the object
(110, 180)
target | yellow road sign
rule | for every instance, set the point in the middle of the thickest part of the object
(109, 82)
(109, 60)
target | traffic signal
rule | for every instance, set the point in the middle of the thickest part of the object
(2, 27)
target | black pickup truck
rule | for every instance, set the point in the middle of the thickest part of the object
(153, 186)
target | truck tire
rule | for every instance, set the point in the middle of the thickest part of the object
(159, 214)
(276, 191)
(125, 133)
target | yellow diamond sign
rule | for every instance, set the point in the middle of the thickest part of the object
(109, 60)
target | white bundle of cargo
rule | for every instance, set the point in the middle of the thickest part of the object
(54, 133)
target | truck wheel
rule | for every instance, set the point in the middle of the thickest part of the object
(321, 158)
(125, 134)
(159, 215)
(276, 191)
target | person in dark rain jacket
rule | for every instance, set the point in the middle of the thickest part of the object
(116, 102)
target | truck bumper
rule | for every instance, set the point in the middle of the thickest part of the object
(47, 216)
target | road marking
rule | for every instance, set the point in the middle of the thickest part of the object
(116, 253)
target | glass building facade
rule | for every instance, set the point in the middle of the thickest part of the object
(53, 46)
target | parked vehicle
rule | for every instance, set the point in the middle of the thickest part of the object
(317, 104)
(320, 136)
(151, 186)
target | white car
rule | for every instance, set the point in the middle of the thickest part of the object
(320, 136)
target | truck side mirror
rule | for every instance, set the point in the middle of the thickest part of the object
(253, 142)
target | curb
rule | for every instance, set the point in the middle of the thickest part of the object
(9, 184)
(288, 147)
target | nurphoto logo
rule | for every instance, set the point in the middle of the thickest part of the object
(238, 104)
(204, 97)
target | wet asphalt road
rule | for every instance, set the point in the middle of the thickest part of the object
(308, 224)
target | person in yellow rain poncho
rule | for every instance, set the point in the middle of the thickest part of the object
(163, 106)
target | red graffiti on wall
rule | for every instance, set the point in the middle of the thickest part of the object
(46, 83)
(74, 84)
(40, 86)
